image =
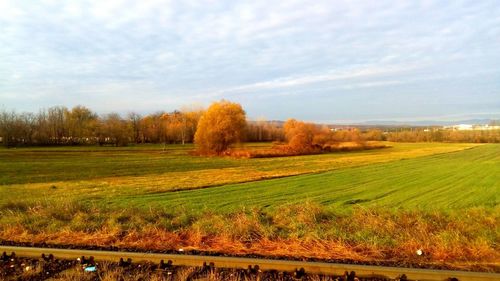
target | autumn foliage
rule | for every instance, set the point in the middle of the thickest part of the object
(222, 125)
(300, 135)
(309, 138)
(59, 125)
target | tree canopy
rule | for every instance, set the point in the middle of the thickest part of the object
(300, 135)
(222, 125)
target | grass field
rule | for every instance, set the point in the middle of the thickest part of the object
(446, 181)
(108, 172)
(365, 205)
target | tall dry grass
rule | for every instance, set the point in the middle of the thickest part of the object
(458, 238)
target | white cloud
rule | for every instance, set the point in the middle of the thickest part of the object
(9, 11)
(200, 50)
(332, 76)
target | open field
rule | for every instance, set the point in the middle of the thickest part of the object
(109, 171)
(366, 205)
(447, 181)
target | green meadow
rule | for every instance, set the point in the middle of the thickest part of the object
(420, 175)
(152, 168)
(454, 180)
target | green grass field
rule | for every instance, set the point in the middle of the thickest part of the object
(404, 176)
(446, 181)
(374, 204)
(109, 172)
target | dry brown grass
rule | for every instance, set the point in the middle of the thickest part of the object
(283, 150)
(309, 230)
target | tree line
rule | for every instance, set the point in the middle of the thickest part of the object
(223, 122)
(59, 125)
(79, 125)
(444, 135)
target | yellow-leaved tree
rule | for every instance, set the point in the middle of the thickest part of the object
(300, 135)
(222, 125)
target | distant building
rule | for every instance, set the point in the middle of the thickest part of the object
(337, 129)
(486, 127)
(468, 127)
(464, 127)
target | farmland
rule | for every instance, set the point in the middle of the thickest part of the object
(364, 205)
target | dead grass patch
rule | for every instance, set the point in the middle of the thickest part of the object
(307, 230)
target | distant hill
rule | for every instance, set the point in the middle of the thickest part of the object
(395, 124)
(426, 122)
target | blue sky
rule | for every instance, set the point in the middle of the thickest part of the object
(324, 61)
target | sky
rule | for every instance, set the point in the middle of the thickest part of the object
(322, 61)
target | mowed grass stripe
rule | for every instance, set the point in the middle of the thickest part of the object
(448, 181)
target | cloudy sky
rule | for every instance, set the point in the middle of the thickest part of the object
(325, 61)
